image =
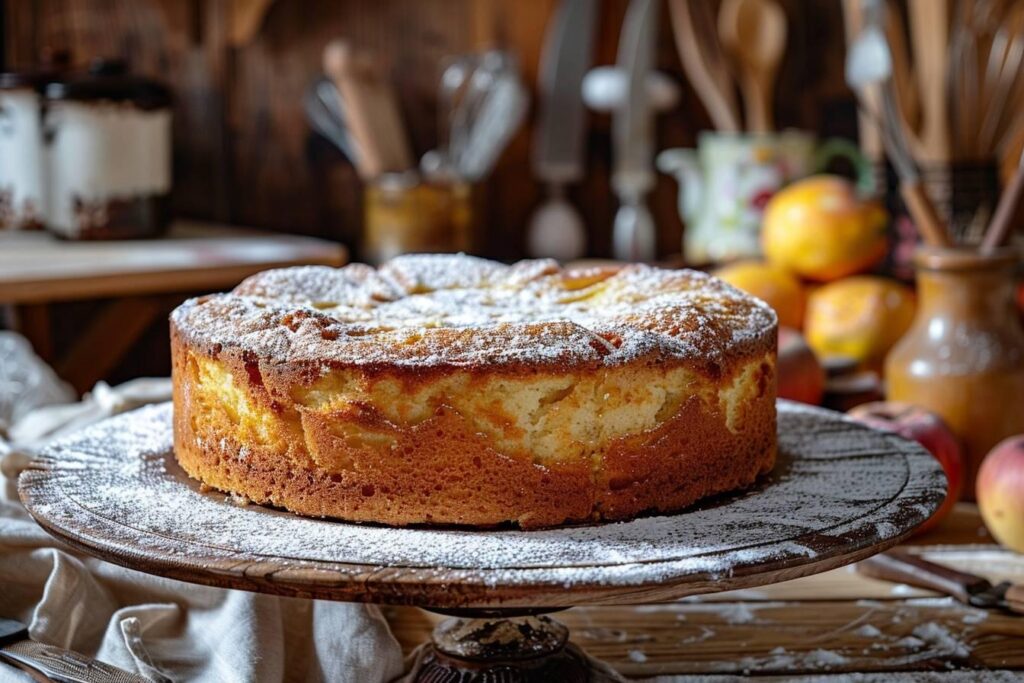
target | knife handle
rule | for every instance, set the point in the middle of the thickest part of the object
(64, 666)
(910, 569)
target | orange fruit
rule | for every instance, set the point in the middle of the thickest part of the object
(819, 229)
(779, 288)
(859, 317)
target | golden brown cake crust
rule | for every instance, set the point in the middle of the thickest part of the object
(383, 396)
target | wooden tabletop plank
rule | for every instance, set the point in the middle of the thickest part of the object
(790, 637)
(36, 267)
(828, 624)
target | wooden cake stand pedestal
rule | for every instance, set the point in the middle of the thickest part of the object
(839, 493)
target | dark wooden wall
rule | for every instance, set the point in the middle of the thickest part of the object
(244, 153)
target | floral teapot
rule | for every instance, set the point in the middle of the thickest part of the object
(725, 184)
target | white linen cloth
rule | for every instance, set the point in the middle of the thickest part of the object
(163, 629)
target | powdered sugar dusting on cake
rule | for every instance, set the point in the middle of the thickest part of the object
(826, 497)
(455, 310)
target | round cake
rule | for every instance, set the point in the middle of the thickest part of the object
(447, 389)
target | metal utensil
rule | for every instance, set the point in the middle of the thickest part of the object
(869, 65)
(323, 109)
(902, 567)
(1000, 110)
(492, 110)
(556, 228)
(54, 663)
(633, 231)
(438, 163)
(605, 89)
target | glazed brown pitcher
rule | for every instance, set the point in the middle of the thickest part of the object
(963, 356)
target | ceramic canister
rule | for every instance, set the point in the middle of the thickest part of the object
(108, 145)
(22, 167)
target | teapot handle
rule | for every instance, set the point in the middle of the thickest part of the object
(684, 166)
(834, 148)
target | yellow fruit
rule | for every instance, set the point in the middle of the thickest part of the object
(779, 288)
(859, 317)
(819, 229)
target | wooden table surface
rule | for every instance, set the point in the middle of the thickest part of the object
(827, 625)
(144, 279)
(36, 267)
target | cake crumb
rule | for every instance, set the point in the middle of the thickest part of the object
(239, 499)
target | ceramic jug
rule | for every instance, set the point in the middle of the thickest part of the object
(726, 182)
(963, 357)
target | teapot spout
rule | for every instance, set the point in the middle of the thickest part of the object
(682, 164)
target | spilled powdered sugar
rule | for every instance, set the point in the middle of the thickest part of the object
(868, 631)
(452, 310)
(825, 498)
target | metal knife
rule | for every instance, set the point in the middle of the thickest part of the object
(902, 567)
(556, 228)
(323, 109)
(56, 664)
(633, 233)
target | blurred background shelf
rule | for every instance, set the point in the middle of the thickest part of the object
(244, 152)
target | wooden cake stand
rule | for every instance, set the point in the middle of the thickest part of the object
(839, 493)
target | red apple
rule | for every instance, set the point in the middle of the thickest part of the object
(1000, 492)
(928, 429)
(801, 377)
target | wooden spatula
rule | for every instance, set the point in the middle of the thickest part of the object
(929, 32)
(704, 64)
(371, 110)
(753, 32)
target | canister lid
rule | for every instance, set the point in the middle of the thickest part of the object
(109, 79)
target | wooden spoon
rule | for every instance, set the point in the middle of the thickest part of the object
(704, 65)
(346, 69)
(929, 32)
(753, 32)
(371, 109)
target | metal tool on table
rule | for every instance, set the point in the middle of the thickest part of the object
(903, 567)
(869, 65)
(556, 228)
(54, 663)
(634, 236)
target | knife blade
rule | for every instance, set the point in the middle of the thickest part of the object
(556, 227)
(970, 589)
(568, 51)
(56, 664)
(632, 134)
